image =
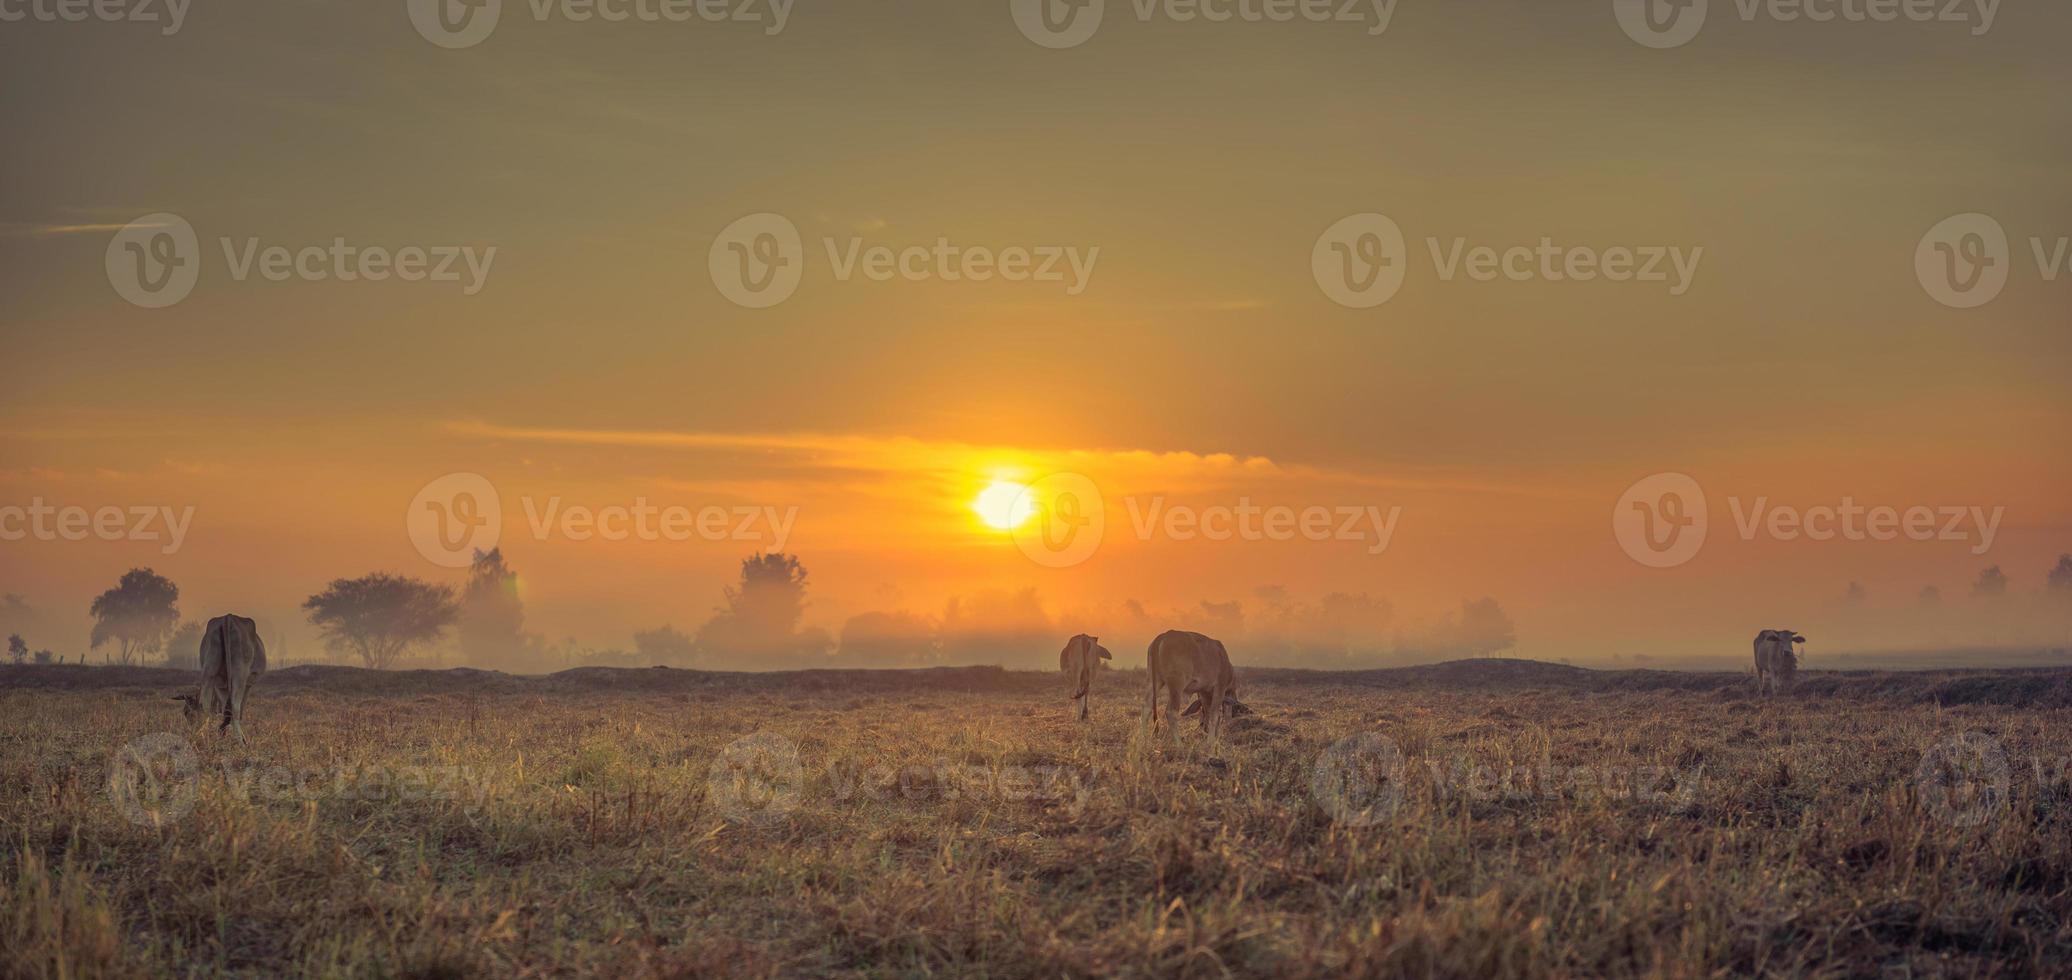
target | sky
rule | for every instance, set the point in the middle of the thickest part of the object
(1208, 177)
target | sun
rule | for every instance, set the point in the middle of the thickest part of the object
(1004, 505)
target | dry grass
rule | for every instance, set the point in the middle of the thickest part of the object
(1539, 824)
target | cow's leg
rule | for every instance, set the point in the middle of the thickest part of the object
(1212, 715)
(236, 712)
(1173, 711)
(1151, 705)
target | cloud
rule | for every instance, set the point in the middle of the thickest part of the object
(1117, 470)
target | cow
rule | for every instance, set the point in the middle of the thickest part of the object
(1190, 663)
(1082, 654)
(231, 655)
(1775, 661)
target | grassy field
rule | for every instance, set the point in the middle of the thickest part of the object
(1480, 819)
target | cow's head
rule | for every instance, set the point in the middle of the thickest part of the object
(1787, 640)
(190, 707)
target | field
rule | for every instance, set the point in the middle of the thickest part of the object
(1498, 819)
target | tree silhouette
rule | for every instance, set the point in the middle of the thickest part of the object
(762, 614)
(1991, 582)
(1484, 629)
(183, 650)
(665, 645)
(17, 650)
(2061, 576)
(492, 617)
(380, 616)
(137, 613)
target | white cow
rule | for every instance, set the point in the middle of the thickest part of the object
(231, 655)
(1776, 662)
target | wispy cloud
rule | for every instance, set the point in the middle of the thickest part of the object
(1121, 469)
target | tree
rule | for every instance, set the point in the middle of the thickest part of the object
(664, 645)
(762, 614)
(1856, 596)
(492, 617)
(381, 616)
(43, 657)
(137, 613)
(1991, 582)
(1484, 629)
(17, 650)
(2061, 576)
(183, 650)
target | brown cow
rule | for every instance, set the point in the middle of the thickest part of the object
(231, 655)
(1776, 663)
(1082, 654)
(1190, 663)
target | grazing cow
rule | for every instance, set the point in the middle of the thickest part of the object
(1081, 655)
(231, 655)
(1776, 663)
(1190, 663)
